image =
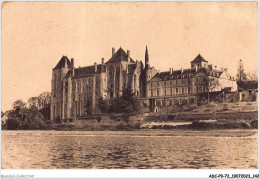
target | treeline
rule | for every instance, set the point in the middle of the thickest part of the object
(32, 114)
(127, 103)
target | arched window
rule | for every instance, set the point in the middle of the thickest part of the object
(79, 86)
(111, 71)
(54, 112)
(65, 110)
(134, 81)
(55, 81)
(59, 75)
(66, 87)
(73, 87)
(117, 71)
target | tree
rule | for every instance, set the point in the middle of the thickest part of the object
(252, 76)
(241, 75)
(33, 101)
(103, 105)
(19, 104)
(127, 103)
(212, 84)
(19, 107)
(44, 99)
(46, 111)
(87, 105)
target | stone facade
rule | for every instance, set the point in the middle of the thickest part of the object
(77, 91)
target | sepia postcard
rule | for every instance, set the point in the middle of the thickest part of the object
(129, 85)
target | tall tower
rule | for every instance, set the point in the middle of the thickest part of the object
(58, 74)
(147, 71)
(146, 58)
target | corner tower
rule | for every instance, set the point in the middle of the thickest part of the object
(146, 58)
(58, 73)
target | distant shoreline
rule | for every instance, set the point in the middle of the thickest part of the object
(149, 133)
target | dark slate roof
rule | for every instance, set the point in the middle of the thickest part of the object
(68, 74)
(199, 58)
(61, 63)
(186, 72)
(120, 55)
(131, 68)
(86, 71)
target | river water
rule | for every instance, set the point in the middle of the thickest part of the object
(129, 149)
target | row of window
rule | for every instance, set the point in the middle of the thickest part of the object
(177, 91)
(171, 102)
(183, 81)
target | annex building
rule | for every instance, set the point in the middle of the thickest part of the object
(75, 89)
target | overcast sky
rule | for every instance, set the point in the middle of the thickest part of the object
(35, 35)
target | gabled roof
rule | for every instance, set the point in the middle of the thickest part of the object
(186, 72)
(199, 58)
(61, 63)
(120, 55)
(85, 71)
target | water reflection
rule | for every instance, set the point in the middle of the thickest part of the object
(52, 149)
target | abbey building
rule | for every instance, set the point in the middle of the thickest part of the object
(76, 92)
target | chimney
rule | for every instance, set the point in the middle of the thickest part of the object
(225, 69)
(72, 66)
(102, 64)
(170, 71)
(73, 71)
(181, 70)
(158, 71)
(72, 63)
(128, 56)
(95, 65)
(113, 51)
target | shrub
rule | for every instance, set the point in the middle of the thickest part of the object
(48, 122)
(254, 124)
(245, 125)
(225, 108)
(193, 106)
(58, 120)
(12, 124)
(98, 119)
(38, 124)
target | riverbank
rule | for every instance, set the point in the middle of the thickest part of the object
(206, 117)
(106, 123)
(147, 133)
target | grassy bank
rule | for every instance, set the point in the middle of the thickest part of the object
(206, 117)
(82, 125)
